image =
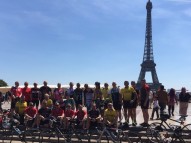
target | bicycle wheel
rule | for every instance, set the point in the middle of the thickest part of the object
(47, 135)
(186, 132)
(154, 131)
(130, 137)
(32, 135)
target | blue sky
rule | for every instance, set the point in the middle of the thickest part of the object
(93, 40)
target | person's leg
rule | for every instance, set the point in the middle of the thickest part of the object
(119, 115)
(157, 111)
(152, 115)
(134, 115)
(129, 115)
(169, 109)
(172, 110)
(125, 114)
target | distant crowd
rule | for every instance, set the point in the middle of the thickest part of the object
(107, 105)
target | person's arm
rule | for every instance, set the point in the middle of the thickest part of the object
(134, 96)
(74, 104)
(83, 99)
(17, 108)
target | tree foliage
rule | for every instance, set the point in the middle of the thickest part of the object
(2, 83)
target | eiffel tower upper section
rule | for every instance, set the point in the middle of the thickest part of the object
(148, 64)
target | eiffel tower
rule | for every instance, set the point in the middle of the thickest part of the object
(148, 64)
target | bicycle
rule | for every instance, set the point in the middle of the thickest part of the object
(164, 132)
(62, 135)
(10, 125)
(116, 135)
(30, 134)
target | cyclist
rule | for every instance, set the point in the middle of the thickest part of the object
(127, 94)
(98, 97)
(57, 113)
(106, 95)
(69, 115)
(110, 116)
(94, 116)
(70, 90)
(58, 94)
(78, 95)
(135, 103)
(30, 114)
(16, 93)
(26, 91)
(45, 90)
(48, 101)
(88, 96)
(20, 107)
(35, 95)
(70, 101)
(81, 117)
(43, 115)
(144, 97)
(117, 99)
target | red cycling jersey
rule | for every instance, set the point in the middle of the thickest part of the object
(27, 93)
(69, 113)
(31, 111)
(16, 91)
(57, 112)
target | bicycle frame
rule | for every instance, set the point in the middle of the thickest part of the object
(105, 130)
(177, 135)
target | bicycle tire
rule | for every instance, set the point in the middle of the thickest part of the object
(31, 135)
(186, 131)
(153, 132)
(130, 137)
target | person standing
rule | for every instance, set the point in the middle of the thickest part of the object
(184, 98)
(117, 100)
(144, 96)
(171, 101)
(58, 94)
(16, 93)
(70, 90)
(162, 98)
(35, 95)
(135, 103)
(26, 91)
(150, 99)
(45, 90)
(127, 95)
(106, 95)
(78, 95)
(155, 108)
(88, 96)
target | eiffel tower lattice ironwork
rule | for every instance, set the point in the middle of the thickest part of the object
(148, 64)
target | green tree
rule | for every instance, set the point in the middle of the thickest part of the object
(2, 83)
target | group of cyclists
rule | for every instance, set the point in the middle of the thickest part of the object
(87, 106)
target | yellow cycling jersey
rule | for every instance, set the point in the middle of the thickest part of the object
(127, 93)
(106, 94)
(110, 115)
(21, 106)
